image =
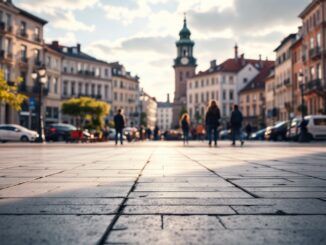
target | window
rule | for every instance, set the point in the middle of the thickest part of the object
(55, 85)
(7, 46)
(318, 71)
(65, 88)
(80, 88)
(37, 34)
(196, 84)
(312, 43)
(196, 98)
(231, 95)
(318, 40)
(106, 91)
(87, 89)
(213, 95)
(115, 96)
(49, 84)
(190, 99)
(217, 95)
(224, 95)
(23, 29)
(248, 98)
(245, 80)
(93, 90)
(99, 89)
(37, 57)
(202, 97)
(190, 85)
(48, 61)
(73, 88)
(106, 72)
(23, 53)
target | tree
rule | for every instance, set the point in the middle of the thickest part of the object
(9, 92)
(88, 110)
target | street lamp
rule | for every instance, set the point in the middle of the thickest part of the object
(40, 77)
(303, 126)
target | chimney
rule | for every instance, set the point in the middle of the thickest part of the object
(243, 61)
(78, 47)
(213, 64)
(55, 44)
(236, 51)
(261, 63)
(168, 98)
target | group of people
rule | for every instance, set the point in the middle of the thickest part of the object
(212, 122)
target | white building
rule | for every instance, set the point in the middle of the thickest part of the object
(221, 83)
(164, 115)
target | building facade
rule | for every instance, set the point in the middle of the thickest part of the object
(83, 75)
(21, 52)
(313, 56)
(164, 115)
(125, 94)
(148, 110)
(184, 67)
(252, 100)
(221, 83)
(270, 117)
(52, 102)
(283, 79)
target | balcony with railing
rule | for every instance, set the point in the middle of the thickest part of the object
(313, 85)
(315, 53)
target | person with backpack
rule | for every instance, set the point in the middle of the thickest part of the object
(212, 120)
(236, 124)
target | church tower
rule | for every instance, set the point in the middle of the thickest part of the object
(184, 67)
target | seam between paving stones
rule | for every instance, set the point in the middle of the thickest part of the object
(227, 180)
(106, 234)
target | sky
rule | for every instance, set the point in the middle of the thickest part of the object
(141, 34)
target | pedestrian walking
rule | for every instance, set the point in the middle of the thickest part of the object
(156, 132)
(119, 124)
(236, 124)
(185, 126)
(212, 121)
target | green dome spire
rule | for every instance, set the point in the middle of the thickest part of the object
(185, 32)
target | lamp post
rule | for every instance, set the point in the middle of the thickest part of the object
(303, 126)
(40, 77)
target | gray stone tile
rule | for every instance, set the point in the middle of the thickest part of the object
(194, 222)
(45, 229)
(140, 222)
(239, 194)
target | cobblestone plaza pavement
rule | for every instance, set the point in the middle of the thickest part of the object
(163, 193)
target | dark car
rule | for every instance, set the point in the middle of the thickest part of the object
(227, 134)
(259, 135)
(59, 132)
(277, 132)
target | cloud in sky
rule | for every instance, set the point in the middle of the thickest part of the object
(141, 34)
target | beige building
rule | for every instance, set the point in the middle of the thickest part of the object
(283, 79)
(252, 99)
(125, 94)
(83, 75)
(270, 99)
(148, 110)
(21, 52)
(52, 102)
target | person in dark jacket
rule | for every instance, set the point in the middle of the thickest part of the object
(185, 126)
(236, 124)
(119, 124)
(212, 120)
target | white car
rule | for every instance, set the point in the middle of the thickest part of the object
(13, 132)
(316, 126)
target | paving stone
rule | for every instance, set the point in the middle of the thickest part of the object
(45, 229)
(141, 222)
(213, 237)
(196, 222)
(157, 194)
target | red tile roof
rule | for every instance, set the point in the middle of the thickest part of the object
(234, 66)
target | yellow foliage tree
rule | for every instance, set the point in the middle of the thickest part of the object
(9, 92)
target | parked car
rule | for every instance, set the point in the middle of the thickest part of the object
(227, 134)
(172, 135)
(259, 135)
(316, 126)
(293, 131)
(13, 132)
(277, 132)
(59, 132)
